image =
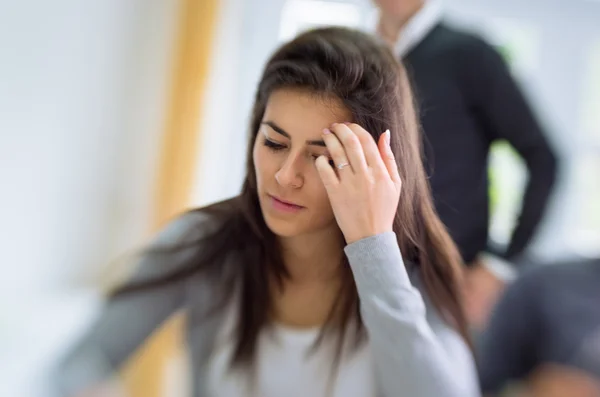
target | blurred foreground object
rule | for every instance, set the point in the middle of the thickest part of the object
(547, 320)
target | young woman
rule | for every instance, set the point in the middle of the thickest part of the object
(330, 274)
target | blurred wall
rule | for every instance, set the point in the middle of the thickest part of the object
(247, 33)
(144, 374)
(81, 92)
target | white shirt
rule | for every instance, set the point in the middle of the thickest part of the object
(284, 367)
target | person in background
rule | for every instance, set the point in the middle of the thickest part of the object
(330, 274)
(468, 100)
(543, 339)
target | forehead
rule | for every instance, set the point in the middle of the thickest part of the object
(304, 114)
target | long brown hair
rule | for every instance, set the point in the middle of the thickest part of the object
(374, 86)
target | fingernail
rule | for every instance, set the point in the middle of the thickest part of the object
(334, 124)
(388, 148)
(326, 131)
(347, 122)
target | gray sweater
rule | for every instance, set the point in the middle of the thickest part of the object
(415, 353)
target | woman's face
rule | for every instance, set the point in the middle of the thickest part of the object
(292, 197)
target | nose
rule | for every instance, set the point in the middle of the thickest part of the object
(290, 174)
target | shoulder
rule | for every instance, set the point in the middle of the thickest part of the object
(184, 240)
(181, 227)
(466, 50)
(533, 279)
(194, 224)
(545, 279)
(461, 40)
(537, 288)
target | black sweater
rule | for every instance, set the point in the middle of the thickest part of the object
(467, 99)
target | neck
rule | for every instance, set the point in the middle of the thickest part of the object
(313, 257)
(391, 25)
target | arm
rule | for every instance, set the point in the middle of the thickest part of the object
(125, 322)
(505, 114)
(415, 352)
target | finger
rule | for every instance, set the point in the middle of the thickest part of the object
(337, 152)
(352, 147)
(326, 173)
(388, 157)
(372, 155)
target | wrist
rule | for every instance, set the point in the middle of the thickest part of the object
(361, 236)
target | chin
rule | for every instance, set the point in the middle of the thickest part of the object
(283, 227)
(292, 225)
(292, 228)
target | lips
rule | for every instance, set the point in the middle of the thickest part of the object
(284, 205)
(286, 202)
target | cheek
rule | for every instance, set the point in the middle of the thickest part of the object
(256, 159)
(263, 162)
(318, 192)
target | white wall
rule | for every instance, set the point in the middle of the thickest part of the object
(248, 32)
(82, 91)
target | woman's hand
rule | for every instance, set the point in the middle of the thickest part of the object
(481, 293)
(364, 188)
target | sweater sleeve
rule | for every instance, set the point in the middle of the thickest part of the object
(504, 113)
(125, 322)
(415, 352)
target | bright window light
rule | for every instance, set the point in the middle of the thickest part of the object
(301, 15)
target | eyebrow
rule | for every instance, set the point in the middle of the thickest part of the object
(281, 131)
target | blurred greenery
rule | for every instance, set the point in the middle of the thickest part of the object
(501, 149)
(506, 53)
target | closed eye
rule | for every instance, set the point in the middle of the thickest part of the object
(316, 156)
(273, 145)
(278, 146)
